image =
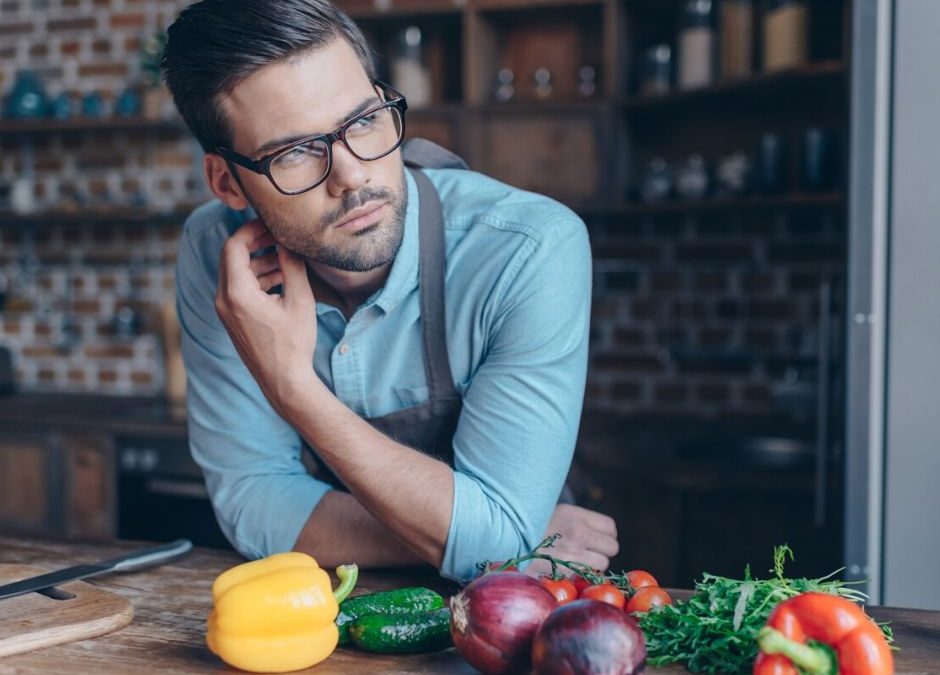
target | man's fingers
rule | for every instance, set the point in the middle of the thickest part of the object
(234, 267)
(597, 521)
(266, 240)
(296, 284)
(264, 264)
(593, 560)
(249, 232)
(269, 281)
(604, 544)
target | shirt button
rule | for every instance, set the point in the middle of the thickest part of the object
(344, 349)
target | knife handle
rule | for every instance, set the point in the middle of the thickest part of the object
(156, 555)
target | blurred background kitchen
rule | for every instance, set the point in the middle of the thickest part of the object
(753, 176)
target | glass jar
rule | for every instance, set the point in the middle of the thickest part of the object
(737, 39)
(657, 70)
(696, 45)
(786, 34)
(27, 98)
(410, 75)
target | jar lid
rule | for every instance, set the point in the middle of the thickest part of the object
(697, 13)
(777, 4)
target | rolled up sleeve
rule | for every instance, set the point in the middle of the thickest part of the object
(519, 423)
(261, 492)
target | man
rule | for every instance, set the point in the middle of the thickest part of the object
(425, 333)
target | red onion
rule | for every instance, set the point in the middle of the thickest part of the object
(494, 619)
(589, 638)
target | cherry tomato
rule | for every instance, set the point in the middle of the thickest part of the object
(641, 579)
(605, 592)
(647, 598)
(563, 589)
(496, 564)
(580, 583)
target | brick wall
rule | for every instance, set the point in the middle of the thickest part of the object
(65, 283)
(705, 314)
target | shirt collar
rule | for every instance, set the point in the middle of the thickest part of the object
(403, 277)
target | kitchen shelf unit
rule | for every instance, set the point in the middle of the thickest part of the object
(598, 142)
(775, 86)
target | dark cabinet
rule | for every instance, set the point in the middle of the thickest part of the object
(90, 494)
(681, 513)
(57, 484)
(26, 481)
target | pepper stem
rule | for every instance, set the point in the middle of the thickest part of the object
(813, 660)
(348, 575)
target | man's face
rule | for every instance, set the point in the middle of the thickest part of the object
(352, 221)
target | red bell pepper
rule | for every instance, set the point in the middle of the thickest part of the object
(858, 643)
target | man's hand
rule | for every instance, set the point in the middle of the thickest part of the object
(275, 335)
(587, 537)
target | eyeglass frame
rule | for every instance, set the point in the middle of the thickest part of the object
(263, 166)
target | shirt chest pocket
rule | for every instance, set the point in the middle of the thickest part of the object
(411, 396)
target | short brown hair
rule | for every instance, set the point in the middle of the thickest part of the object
(216, 44)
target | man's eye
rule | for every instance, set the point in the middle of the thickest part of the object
(301, 153)
(367, 121)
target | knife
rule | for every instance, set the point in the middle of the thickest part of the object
(129, 562)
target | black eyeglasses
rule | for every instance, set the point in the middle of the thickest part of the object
(303, 165)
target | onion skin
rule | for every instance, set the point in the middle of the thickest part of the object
(495, 618)
(589, 638)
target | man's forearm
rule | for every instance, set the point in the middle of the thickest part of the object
(341, 531)
(405, 490)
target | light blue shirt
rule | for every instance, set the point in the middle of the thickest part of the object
(518, 297)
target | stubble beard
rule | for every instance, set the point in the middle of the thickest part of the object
(369, 248)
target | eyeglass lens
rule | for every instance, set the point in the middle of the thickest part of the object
(368, 137)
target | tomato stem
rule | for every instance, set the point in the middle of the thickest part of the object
(548, 542)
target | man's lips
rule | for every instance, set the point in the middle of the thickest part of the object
(362, 217)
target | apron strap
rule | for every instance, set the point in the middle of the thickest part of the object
(432, 255)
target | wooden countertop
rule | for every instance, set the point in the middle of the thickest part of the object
(171, 603)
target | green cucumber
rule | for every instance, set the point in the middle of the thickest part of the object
(412, 633)
(398, 601)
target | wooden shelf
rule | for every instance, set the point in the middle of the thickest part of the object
(778, 83)
(549, 107)
(491, 6)
(94, 216)
(445, 109)
(84, 124)
(782, 201)
(366, 11)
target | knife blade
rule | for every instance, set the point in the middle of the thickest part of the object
(128, 562)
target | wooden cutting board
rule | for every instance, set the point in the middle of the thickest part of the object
(33, 621)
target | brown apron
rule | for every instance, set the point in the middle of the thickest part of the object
(430, 426)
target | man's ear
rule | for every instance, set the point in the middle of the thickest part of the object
(222, 183)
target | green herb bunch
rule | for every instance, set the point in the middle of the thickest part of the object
(715, 630)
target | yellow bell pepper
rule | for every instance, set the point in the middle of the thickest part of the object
(277, 614)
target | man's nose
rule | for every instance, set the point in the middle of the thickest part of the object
(348, 173)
